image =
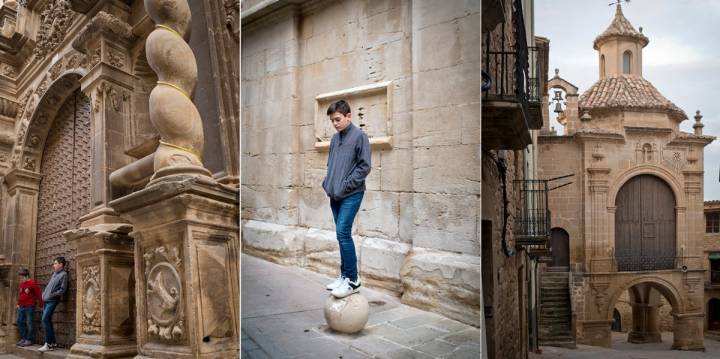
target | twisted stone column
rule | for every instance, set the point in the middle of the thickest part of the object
(172, 110)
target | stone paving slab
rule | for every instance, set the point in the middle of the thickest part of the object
(282, 317)
(621, 349)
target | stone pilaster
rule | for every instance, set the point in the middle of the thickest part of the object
(186, 265)
(688, 333)
(107, 40)
(597, 232)
(105, 316)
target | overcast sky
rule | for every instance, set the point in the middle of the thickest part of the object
(682, 59)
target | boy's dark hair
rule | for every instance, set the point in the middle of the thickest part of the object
(61, 260)
(339, 106)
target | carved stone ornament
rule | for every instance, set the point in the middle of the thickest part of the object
(232, 17)
(164, 294)
(600, 291)
(114, 97)
(91, 300)
(29, 164)
(55, 21)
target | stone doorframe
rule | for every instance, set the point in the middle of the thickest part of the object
(38, 109)
(681, 204)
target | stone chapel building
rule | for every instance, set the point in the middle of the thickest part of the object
(119, 147)
(632, 221)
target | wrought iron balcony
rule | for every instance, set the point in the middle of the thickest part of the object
(511, 98)
(532, 222)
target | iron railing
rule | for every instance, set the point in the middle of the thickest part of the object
(510, 63)
(644, 263)
(532, 222)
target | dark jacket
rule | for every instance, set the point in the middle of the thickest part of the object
(56, 287)
(348, 163)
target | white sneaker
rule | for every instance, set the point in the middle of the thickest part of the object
(336, 283)
(346, 288)
(46, 348)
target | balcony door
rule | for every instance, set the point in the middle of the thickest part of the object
(645, 225)
(559, 249)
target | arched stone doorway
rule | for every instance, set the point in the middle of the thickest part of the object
(713, 314)
(645, 225)
(644, 294)
(560, 250)
(64, 196)
(617, 321)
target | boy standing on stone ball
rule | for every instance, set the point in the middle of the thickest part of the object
(347, 167)
(29, 296)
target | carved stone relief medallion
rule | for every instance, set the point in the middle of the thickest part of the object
(91, 300)
(164, 294)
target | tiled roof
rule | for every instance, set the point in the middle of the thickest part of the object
(628, 92)
(620, 26)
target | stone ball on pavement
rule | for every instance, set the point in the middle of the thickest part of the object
(347, 315)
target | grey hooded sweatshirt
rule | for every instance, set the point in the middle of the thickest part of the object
(348, 163)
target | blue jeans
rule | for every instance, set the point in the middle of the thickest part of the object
(47, 321)
(25, 322)
(344, 212)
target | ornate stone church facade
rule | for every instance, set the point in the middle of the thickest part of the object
(119, 125)
(632, 221)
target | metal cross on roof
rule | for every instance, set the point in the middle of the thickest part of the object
(618, 2)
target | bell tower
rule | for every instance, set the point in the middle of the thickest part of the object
(620, 48)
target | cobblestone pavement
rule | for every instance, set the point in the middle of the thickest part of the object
(282, 317)
(621, 349)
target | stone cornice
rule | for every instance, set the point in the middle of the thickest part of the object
(630, 129)
(683, 138)
(105, 24)
(599, 134)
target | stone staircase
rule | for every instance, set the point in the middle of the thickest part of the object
(555, 320)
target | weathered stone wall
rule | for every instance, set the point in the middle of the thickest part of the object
(417, 232)
(505, 306)
(561, 156)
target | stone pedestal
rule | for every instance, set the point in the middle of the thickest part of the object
(596, 332)
(645, 328)
(186, 264)
(688, 331)
(105, 292)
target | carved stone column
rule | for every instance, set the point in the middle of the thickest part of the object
(19, 226)
(645, 326)
(105, 315)
(187, 254)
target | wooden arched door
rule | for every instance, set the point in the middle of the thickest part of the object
(645, 225)
(63, 198)
(560, 249)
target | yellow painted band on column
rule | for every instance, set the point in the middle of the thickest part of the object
(168, 28)
(175, 87)
(179, 148)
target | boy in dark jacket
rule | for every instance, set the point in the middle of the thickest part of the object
(52, 295)
(29, 296)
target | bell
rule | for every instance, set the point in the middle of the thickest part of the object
(558, 107)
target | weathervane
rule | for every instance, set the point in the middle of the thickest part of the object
(618, 2)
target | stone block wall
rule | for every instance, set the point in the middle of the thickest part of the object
(417, 231)
(560, 156)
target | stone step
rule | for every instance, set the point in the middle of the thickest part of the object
(569, 344)
(32, 353)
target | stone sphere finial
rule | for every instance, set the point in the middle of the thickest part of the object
(347, 315)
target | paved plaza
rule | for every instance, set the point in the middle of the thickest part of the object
(282, 317)
(621, 349)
